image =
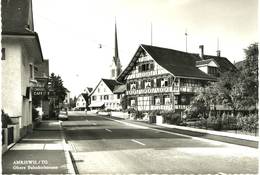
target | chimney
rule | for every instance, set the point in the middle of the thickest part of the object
(218, 53)
(201, 51)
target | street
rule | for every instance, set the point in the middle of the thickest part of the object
(102, 145)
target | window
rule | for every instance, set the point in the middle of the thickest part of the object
(105, 97)
(31, 71)
(118, 96)
(157, 100)
(100, 97)
(94, 98)
(166, 100)
(164, 82)
(98, 90)
(3, 54)
(83, 104)
(133, 86)
(132, 102)
(146, 67)
(147, 84)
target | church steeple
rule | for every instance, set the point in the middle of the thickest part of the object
(116, 65)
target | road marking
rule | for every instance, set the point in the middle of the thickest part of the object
(108, 130)
(133, 140)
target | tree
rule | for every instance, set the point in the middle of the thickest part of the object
(57, 87)
(237, 89)
(123, 102)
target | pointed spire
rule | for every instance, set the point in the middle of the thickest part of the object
(116, 44)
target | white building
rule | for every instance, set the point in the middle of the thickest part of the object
(107, 95)
(81, 102)
(21, 51)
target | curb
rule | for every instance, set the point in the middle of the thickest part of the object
(68, 156)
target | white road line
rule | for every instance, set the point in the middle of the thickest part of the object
(108, 130)
(182, 135)
(133, 140)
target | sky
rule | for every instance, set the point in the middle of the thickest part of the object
(71, 31)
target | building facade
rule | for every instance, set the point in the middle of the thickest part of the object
(81, 103)
(165, 79)
(107, 95)
(21, 53)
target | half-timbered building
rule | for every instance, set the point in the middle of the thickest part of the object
(165, 79)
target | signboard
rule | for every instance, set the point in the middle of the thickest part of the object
(39, 91)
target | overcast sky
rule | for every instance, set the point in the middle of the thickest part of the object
(70, 32)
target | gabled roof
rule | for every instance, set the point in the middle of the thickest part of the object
(111, 84)
(178, 63)
(16, 15)
(119, 89)
(223, 62)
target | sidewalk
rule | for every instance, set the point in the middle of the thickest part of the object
(41, 152)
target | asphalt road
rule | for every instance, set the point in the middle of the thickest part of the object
(106, 146)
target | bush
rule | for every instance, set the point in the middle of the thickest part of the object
(5, 119)
(155, 113)
(172, 117)
(248, 123)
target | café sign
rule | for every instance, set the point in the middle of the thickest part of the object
(39, 91)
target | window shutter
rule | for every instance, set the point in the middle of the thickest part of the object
(158, 82)
(152, 66)
(169, 81)
(161, 100)
(128, 86)
(139, 68)
(142, 84)
(153, 100)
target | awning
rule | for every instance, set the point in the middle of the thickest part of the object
(96, 104)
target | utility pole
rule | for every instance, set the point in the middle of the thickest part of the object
(151, 33)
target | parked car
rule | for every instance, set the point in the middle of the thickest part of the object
(63, 115)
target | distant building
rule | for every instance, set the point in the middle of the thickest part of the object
(66, 102)
(107, 95)
(165, 79)
(81, 103)
(21, 55)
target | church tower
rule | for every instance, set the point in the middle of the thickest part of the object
(116, 67)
